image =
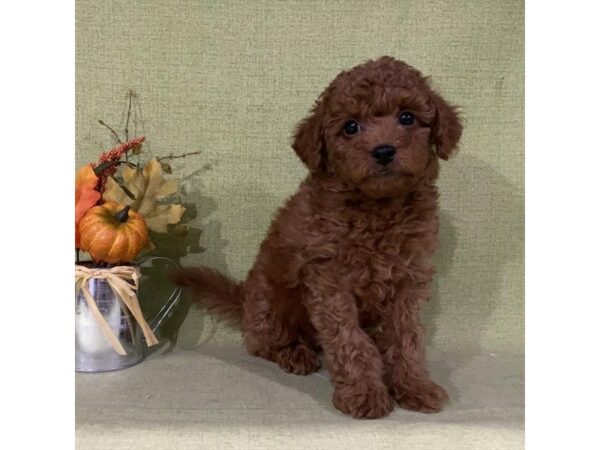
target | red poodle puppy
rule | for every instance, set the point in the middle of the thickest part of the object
(346, 263)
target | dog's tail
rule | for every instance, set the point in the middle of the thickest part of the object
(212, 291)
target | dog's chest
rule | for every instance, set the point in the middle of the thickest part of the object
(380, 250)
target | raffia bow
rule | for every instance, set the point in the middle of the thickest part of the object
(118, 278)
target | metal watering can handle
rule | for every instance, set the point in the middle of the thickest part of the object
(171, 302)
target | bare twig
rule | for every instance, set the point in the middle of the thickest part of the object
(171, 156)
(102, 167)
(112, 131)
(128, 115)
(127, 123)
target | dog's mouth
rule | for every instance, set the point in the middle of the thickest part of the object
(387, 172)
(386, 182)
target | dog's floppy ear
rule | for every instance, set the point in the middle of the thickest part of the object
(447, 128)
(309, 143)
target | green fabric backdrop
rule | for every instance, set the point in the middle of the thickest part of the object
(232, 78)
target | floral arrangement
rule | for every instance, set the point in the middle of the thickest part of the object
(118, 201)
(122, 203)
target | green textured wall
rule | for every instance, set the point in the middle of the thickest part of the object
(232, 78)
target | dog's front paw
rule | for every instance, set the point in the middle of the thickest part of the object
(425, 397)
(363, 400)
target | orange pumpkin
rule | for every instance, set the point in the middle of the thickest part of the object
(112, 233)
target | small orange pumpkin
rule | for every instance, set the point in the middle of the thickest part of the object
(112, 233)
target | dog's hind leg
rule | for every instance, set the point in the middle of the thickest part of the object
(270, 334)
(297, 358)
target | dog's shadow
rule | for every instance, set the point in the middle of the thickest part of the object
(471, 259)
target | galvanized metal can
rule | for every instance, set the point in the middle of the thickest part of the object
(93, 352)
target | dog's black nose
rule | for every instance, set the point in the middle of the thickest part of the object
(383, 154)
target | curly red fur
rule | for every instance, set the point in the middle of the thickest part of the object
(346, 263)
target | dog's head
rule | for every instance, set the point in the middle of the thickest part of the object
(378, 127)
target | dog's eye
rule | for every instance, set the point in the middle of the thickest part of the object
(406, 118)
(351, 127)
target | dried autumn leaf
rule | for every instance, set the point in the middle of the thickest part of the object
(166, 167)
(148, 187)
